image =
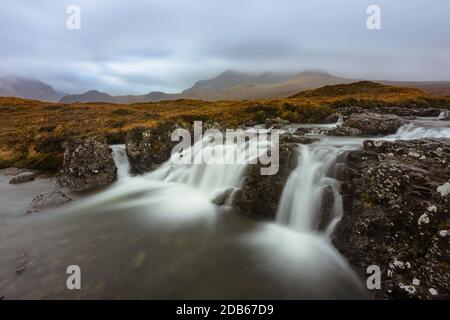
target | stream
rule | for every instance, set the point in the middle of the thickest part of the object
(159, 236)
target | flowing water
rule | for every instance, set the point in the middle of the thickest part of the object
(160, 236)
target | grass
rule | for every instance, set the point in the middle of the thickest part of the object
(33, 132)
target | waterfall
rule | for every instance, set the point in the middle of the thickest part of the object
(224, 169)
(421, 130)
(311, 198)
(120, 158)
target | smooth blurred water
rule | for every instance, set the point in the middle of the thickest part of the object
(160, 236)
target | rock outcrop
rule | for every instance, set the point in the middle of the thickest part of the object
(259, 195)
(148, 148)
(397, 216)
(87, 164)
(374, 123)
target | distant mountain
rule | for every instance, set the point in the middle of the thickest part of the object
(235, 85)
(90, 96)
(14, 86)
(230, 85)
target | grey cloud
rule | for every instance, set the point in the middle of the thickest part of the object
(139, 46)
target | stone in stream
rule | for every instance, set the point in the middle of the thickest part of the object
(374, 123)
(259, 195)
(52, 199)
(397, 217)
(23, 177)
(87, 164)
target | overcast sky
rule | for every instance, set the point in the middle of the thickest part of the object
(138, 46)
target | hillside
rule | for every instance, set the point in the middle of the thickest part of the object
(14, 86)
(33, 132)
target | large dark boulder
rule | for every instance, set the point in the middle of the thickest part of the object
(397, 216)
(87, 164)
(374, 123)
(147, 148)
(259, 194)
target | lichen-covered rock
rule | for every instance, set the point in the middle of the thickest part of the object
(52, 199)
(149, 148)
(87, 164)
(259, 195)
(374, 123)
(23, 177)
(396, 217)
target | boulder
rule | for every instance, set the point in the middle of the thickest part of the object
(344, 131)
(259, 195)
(396, 216)
(148, 148)
(332, 118)
(87, 164)
(48, 200)
(374, 123)
(23, 177)
(276, 123)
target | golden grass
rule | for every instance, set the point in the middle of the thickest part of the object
(32, 132)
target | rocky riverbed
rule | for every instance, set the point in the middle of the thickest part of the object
(381, 195)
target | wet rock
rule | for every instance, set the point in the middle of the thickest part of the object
(276, 123)
(332, 118)
(222, 197)
(291, 138)
(344, 131)
(396, 218)
(149, 148)
(48, 200)
(259, 195)
(373, 123)
(87, 164)
(326, 208)
(23, 177)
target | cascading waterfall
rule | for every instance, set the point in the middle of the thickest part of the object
(301, 206)
(222, 169)
(120, 158)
